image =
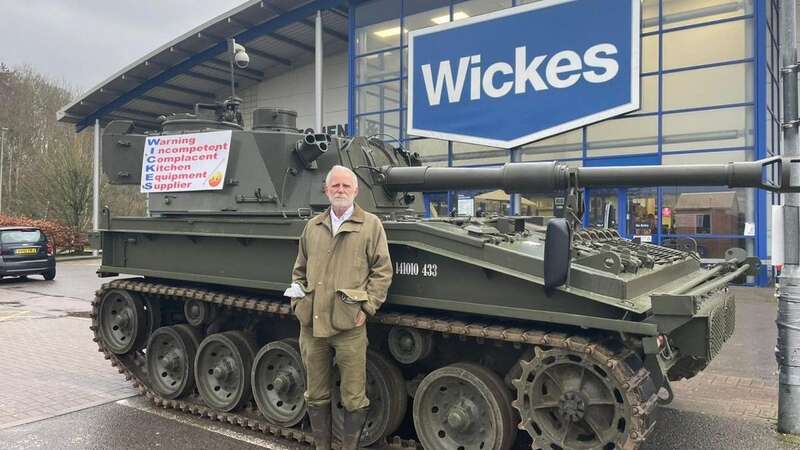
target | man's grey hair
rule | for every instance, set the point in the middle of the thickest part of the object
(343, 169)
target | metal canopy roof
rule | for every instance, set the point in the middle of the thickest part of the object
(278, 35)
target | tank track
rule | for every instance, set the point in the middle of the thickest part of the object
(641, 394)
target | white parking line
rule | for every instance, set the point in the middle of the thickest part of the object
(204, 424)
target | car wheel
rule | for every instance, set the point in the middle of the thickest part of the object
(49, 275)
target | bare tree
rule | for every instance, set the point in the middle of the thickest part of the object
(48, 170)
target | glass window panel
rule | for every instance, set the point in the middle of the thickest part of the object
(769, 52)
(768, 132)
(540, 205)
(642, 209)
(377, 26)
(649, 15)
(715, 43)
(472, 8)
(477, 155)
(649, 96)
(424, 14)
(562, 146)
(679, 13)
(708, 157)
(432, 151)
(722, 85)
(490, 203)
(377, 67)
(378, 97)
(718, 128)
(650, 53)
(628, 136)
(710, 248)
(386, 125)
(770, 88)
(707, 210)
(376, 11)
(604, 208)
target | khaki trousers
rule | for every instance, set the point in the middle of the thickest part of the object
(351, 358)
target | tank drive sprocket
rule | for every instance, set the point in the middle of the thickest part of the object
(584, 400)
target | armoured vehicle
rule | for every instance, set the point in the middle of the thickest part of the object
(498, 332)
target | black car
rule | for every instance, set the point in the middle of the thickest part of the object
(26, 251)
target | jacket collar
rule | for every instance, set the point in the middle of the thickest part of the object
(357, 217)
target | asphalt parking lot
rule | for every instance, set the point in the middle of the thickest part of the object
(59, 392)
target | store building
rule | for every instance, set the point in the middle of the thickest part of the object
(709, 94)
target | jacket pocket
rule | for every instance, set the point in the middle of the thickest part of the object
(303, 308)
(346, 307)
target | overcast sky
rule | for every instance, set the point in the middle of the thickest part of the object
(83, 42)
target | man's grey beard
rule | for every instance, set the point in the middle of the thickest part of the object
(341, 203)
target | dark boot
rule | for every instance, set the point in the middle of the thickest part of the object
(353, 424)
(321, 426)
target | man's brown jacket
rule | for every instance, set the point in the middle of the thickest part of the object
(341, 274)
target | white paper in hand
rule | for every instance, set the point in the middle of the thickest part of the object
(294, 291)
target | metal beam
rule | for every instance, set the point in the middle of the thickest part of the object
(139, 112)
(305, 21)
(270, 57)
(188, 91)
(271, 25)
(209, 78)
(217, 66)
(276, 36)
(292, 42)
(339, 13)
(165, 102)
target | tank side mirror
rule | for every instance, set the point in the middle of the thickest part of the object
(557, 253)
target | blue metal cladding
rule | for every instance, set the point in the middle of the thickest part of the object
(257, 31)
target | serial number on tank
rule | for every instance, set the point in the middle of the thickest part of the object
(415, 269)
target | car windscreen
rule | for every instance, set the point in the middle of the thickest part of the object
(20, 236)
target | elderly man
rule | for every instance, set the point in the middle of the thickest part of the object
(341, 275)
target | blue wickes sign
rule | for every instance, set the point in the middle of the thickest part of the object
(522, 74)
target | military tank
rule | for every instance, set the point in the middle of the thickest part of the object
(498, 332)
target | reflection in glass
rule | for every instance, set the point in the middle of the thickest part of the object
(604, 208)
(378, 97)
(378, 67)
(641, 217)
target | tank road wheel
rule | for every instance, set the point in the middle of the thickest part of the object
(199, 313)
(388, 400)
(170, 359)
(222, 370)
(464, 406)
(122, 321)
(567, 400)
(279, 381)
(409, 345)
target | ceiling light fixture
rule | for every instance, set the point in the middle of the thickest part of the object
(458, 15)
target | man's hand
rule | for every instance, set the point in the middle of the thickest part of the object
(361, 318)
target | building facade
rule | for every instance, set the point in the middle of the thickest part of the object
(709, 84)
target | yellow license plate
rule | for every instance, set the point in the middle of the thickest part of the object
(26, 251)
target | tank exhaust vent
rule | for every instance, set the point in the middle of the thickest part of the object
(274, 119)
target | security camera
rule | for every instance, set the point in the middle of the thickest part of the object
(241, 59)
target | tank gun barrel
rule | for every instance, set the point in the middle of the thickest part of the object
(550, 177)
